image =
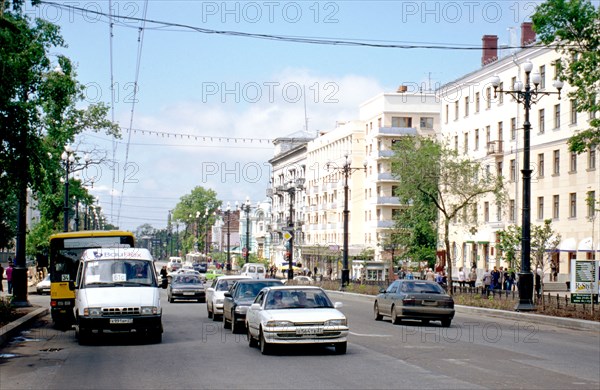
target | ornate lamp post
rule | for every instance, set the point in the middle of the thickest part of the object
(527, 96)
(291, 188)
(347, 170)
(68, 158)
(246, 207)
(227, 212)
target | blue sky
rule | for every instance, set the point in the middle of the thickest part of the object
(214, 85)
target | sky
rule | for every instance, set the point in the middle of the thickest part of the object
(212, 96)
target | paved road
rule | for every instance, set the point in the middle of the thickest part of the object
(196, 352)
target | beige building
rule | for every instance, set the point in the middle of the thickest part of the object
(490, 129)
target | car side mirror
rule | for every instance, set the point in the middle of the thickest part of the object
(255, 306)
(211, 289)
(338, 305)
(382, 290)
(71, 285)
(227, 294)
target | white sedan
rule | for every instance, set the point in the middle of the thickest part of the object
(296, 315)
(215, 294)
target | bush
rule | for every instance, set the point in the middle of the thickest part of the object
(7, 311)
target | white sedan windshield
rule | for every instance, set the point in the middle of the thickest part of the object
(300, 299)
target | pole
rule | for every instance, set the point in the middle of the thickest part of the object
(291, 241)
(525, 276)
(66, 205)
(345, 270)
(77, 214)
(228, 244)
(247, 232)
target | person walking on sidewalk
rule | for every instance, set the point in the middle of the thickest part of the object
(9, 271)
(1, 278)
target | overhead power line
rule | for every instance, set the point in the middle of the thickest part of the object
(288, 38)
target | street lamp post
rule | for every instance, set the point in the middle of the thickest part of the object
(292, 187)
(206, 224)
(347, 170)
(527, 96)
(245, 207)
(227, 212)
(68, 158)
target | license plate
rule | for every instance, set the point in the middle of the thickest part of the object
(188, 293)
(121, 320)
(308, 331)
(430, 303)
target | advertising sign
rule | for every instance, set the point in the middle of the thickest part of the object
(584, 281)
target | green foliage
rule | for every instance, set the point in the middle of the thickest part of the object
(37, 239)
(544, 242)
(509, 244)
(7, 311)
(573, 28)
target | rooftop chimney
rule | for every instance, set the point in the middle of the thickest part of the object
(402, 89)
(490, 49)
(527, 34)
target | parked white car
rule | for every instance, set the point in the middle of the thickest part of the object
(254, 270)
(215, 294)
(296, 315)
(43, 287)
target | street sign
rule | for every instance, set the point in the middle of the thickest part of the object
(287, 235)
(287, 229)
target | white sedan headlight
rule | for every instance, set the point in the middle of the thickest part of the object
(150, 310)
(92, 312)
(279, 324)
(338, 322)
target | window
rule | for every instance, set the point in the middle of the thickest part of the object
(573, 205)
(499, 168)
(488, 135)
(466, 106)
(474, 212)
(456, 143)
(557, 116)
(513, 170)
(501, 96)
(401, 121)
(541, 165)
(477, 101)
(488, 97)
(426, 122)
(573, 112)
(447, 112)
(486, 211)
(498, 211)
(500, 131)
(557, 162)
(591, 204)
(511, 210)
(466, 144)
(540, 208)
(573, 165)
(555, 204)
(513, 128)
(476, 139)
(542, 121)
(542, 77)
(513, 81)
(456, 110)
(592, 157)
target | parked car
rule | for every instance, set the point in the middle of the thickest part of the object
(186, 286)
(212, 274)
(215, 294)
(300, 279)
(239, 297)
(414, 299)
(296, 315)
(43, 287)
(254, 270)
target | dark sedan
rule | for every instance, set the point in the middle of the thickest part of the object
(414, 299)
(186, 287)
(239, 298)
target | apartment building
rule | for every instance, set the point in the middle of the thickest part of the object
(490, 129)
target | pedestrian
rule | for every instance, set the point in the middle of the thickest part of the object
(315, 271)
(9, 272)
(510, 281)
(487, 281)
(461, 277)
(409, 275)
(472, 277)
(505, 279)
(1, 277)
(538, 283)
(495, 278)
(553, 271)
(430, 275)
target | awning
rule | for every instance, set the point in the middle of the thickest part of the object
(585, 245)
(568, 245)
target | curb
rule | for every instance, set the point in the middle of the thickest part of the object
(9, 330)
(571, 323)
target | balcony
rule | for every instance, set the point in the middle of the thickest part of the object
(385, 224)
(388, 200)
(496, 225)
(395, 131)
(386, 176)
(494, 148)
(385, 153)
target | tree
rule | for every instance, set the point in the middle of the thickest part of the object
(544, 242)
(426, 169)
(572, 27)
(192, 210)
(509, 244)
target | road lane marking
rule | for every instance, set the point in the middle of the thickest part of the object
(370, 335)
